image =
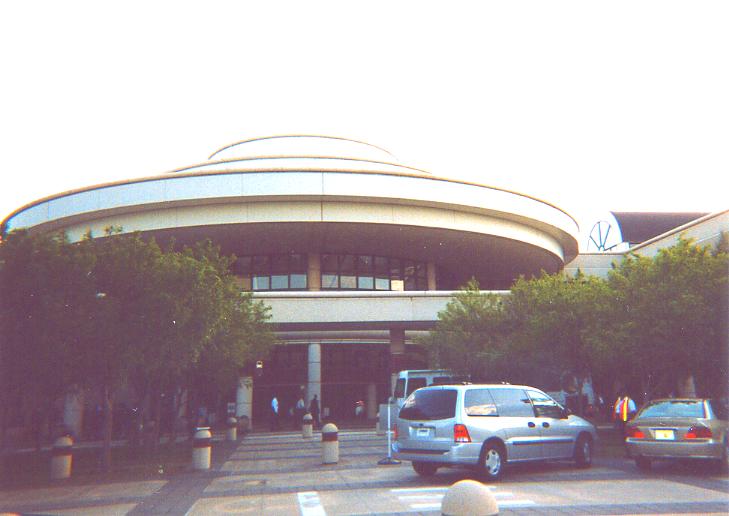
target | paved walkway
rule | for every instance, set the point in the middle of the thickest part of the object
(282, 473)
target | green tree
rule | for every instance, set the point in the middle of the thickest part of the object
(672, 308)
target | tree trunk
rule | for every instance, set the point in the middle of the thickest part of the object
(106, 432)
(687, 387)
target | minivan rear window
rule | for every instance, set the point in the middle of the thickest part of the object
(430, 405)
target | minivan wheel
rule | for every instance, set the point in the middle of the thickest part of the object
(425, 469)
(643, 463)
(583, 452)
(492, 461)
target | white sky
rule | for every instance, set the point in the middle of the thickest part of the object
(593, 106)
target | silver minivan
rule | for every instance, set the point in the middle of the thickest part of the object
(486, 426)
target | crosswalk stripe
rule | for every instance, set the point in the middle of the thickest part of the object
(310, 505)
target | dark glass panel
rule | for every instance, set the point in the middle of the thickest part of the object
(329, 263)
(381, 266)
(346, 263)
(298, 263)
(364, 264)
(395, 270)
(261, 264)
(279, 263)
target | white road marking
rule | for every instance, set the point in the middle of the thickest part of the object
(310, 505)
(431, 498)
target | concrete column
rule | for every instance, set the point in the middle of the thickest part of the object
(431, 276)
(397, 354)
(313, 274)
(244, 400)
(371, 401)
(313, 385)
(73, 409)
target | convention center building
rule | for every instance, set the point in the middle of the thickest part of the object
(354, 252)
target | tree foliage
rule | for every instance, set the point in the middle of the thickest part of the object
(652, 323)
(119, 310)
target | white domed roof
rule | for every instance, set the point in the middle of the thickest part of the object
(302, 146)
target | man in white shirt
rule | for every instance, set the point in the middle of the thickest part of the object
(274, 413)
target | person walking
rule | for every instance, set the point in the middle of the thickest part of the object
(275, 425)
(299, 412)
(623, 411)
(314, 411)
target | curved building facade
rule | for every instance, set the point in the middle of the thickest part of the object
(354, 252)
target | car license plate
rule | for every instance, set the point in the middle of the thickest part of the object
(666, 435)
(423, 432)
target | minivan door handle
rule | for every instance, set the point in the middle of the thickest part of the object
(545, 424)
(531, 425)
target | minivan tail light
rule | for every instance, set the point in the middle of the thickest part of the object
(634, 432)
(460, 434)
(698, 432)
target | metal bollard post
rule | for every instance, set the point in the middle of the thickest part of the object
(201, 444)
(61, 458)
(307, 426)
(232, 429)
(469, 498)
(330, 444)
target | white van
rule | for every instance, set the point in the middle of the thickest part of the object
(412, 379)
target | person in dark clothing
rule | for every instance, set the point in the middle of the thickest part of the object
(314, 411)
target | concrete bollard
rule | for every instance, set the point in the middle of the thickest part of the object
(201, 444)
(232, 433)
(61, 458)
(377, 424)
(307, 426)
(329, 444)
(244, 423)
(469, 498)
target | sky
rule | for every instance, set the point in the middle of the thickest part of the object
(593, 106)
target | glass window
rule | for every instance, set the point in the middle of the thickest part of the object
(382, 284)
(400, 388)
(298, 281)
(674, 408)
(544, 406)
(329, 281)
(261, 283)
(329, 263)
(280, 263)
(298, 263)
(395, 270)
(348, 282)
(245, 282)
(365, 283)
(478, 402)
(364, 263)
(279, 282)
(512, 402)
(414, 384)
(430, 405)
(381, 266)
(346, 263)
(260, 264)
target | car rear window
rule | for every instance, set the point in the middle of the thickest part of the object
(430, 405)
(674, 408)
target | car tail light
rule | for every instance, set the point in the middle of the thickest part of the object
(634, 433)
(394, 432)
(698, 432)
(460, 434)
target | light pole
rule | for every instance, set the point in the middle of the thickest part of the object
(388, 461)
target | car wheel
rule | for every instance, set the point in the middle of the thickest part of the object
(425, 469)
(492, 461)
(643, 463)
(583, 452)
